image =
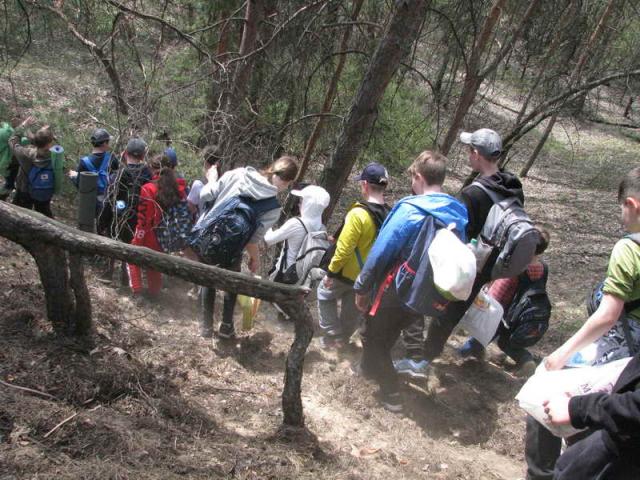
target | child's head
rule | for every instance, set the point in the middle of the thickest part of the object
(543, 243)
(282, 172)
(427, 171)
(373, 180)
(43, 138)
(100, 139)
(314, 200)
(136, 149)
(629, 200)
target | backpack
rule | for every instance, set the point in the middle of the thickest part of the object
(102, 171)
(173, 230)
(222, 233)
(378, 220)
(414, 278)
(312, 249)
(508, 235)
(41, 182)
(527, 318)
(129, 183)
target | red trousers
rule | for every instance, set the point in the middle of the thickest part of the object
(147, 239)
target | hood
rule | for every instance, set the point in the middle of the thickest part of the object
(313, 201)
(253, 184)
(444, 207)
(503, 183)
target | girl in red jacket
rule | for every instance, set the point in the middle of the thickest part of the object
(164, 191)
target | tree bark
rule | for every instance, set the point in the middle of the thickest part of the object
(402, 32)
(48, 241)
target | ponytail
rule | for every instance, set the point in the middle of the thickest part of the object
(168, 191)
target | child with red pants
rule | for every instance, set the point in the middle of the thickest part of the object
(162, 192)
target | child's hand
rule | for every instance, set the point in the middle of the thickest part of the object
(72, 174)
(555, 361)
(362, 302)
(557, 409)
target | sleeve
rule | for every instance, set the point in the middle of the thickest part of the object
(194, 193)
(271, 237)
(468, 198)
(23, 155)
(348, 240)
(146, 209)
(396, 233)
(623, 272)
(114, 163)
(211, 190)
(267, 220)
(503, 290)
(617, 413)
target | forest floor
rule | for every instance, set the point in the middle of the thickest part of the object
(147, 398)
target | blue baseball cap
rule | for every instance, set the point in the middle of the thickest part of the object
(375, 174)
(171, 154)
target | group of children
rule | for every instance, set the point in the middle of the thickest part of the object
(362, 265)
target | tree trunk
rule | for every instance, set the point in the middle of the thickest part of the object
(48, 241)
(402, 32)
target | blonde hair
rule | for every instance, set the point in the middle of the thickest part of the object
(432, 166)
(286, 167)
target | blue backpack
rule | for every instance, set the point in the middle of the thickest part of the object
(102, 171)
(414, 278)
(221, 235)
(173, 230)
(41, 182)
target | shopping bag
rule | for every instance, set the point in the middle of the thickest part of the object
(482, 318)
(545, 384)
(454, 265)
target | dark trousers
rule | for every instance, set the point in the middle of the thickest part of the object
(541, 451)
(441, 327)
(24, 200)
(517, 354)
(379, 334)
(207, 304)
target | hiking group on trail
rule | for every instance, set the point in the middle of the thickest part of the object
(473, 260)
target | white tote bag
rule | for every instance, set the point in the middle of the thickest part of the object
(545, 384)
(453, 263)
(482, 318)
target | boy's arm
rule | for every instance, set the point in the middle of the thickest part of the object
(385, 252)
(598, 324)
(271, 237)
(347, 241)
(617, 413)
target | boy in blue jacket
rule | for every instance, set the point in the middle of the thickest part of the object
(393, 246)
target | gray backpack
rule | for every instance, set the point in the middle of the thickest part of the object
(508, 235)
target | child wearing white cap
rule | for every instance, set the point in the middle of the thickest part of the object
(314, 200)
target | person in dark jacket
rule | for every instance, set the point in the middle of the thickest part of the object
(612, 450)
(485, 148)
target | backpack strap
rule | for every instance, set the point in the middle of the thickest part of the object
(104, 166)
(306, 230)
(88, 164)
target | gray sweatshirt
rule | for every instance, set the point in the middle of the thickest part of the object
(244, 181)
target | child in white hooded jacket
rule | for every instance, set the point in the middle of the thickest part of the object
(314, 200)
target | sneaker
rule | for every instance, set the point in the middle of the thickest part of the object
(226, 331)
(392, 402)
(331, 343)
(413, 368)
(525, 369)
(472, 348)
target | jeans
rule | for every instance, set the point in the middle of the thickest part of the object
(332, 323)
(379, 334)
(207, 306)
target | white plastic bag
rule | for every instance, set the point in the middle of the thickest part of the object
(545, 384)
(482, 318)
(453, 263)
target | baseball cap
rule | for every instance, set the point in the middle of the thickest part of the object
(374, 173)
(171, 154)
(486, 141)
(137, 147)
(313, 194)
(100, 135)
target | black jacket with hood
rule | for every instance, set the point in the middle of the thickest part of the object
(478, 203)
(612, 451)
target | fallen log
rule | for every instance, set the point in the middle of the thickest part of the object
(57, 247)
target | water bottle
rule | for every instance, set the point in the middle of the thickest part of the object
(120, 205)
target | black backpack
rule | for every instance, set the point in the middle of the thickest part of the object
(221, 235)
(527, 319)
(378, 218)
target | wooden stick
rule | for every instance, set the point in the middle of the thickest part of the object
(25, 389)
(60, 424)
